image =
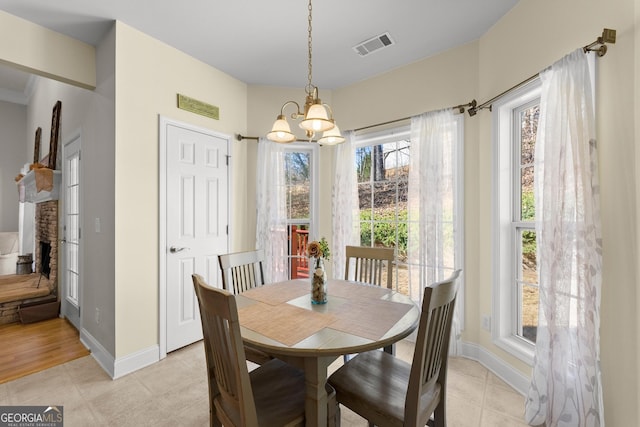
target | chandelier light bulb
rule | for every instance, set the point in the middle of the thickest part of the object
(332, 137)
(281, 132)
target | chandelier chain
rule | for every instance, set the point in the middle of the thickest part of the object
(317, 116)
(309, 88)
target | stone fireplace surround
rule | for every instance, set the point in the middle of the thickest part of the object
(46, 231)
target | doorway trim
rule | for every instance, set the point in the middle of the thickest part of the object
(163, 123)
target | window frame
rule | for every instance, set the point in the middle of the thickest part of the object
(506, 201)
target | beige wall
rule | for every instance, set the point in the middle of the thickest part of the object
(98, 178)
(438, 82)
(13, 119)
(35, 49)
(149, 75)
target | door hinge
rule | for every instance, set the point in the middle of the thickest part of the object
(228, 157)
(227, 230)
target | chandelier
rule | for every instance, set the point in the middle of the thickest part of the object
(316, 117)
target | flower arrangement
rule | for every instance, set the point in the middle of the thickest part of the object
(318, 249)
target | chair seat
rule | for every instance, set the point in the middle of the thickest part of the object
(375, 383)
(278, 392)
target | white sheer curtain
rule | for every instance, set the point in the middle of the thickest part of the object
(434, 239)
(566, 387)
(345, 213)
(271, 215)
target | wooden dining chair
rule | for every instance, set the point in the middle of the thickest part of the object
(271, 395)
(369, 265)
(242, 271)
(388, 391)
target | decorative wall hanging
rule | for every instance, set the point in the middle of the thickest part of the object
(36, 147)
(55, 132)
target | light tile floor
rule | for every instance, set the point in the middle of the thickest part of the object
(173, 392)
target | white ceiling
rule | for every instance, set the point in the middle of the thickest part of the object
(265, 42)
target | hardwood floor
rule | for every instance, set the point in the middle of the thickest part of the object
(34, 347)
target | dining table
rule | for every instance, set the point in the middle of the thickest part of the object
(280, 319)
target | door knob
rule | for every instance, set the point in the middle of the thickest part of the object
(174, 249)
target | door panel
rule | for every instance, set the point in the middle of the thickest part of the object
(196, 212)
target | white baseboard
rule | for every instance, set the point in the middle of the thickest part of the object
(99, 353)
(120, 367)
(499, 367)
(138, 360)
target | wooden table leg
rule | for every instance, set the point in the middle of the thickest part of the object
(315, 372)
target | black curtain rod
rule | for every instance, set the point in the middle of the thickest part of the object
(608, 36)
(599, 46)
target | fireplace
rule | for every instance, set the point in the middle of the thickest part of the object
(21, 295)
(46, 236)
(45, 258)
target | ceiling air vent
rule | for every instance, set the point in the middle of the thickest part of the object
(373, 44)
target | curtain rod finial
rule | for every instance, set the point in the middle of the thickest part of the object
(608, 36)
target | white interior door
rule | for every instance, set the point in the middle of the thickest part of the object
(196, 224)
(71, 243)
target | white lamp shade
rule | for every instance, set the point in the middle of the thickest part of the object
(316, 119)
(281, 132)
(331, 137)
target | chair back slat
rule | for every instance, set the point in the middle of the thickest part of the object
(429, 366)
(242, 271)
(369, 265)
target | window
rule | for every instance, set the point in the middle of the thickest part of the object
(382, 162)
(382, 165)
(515, 288)
(301, 199)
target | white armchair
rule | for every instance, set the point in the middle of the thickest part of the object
(8, 252)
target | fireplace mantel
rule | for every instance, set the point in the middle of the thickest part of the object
(28, 192)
